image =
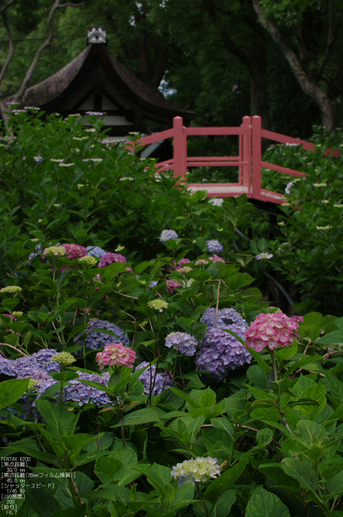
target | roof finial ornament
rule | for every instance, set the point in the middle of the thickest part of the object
(96, 34)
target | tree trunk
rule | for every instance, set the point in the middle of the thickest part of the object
(309, 85)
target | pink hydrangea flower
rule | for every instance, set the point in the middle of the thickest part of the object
(271, 331)
(109, 258)
(215, 258)
(74, 251)
(172, 285)
(116, 354)
(182, 262)
(299, 319)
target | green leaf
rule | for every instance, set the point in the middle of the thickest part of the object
(264, 437)
(313, 318)
(141, 416)
(223, 424)
(76, 441)
(207, 399)
(339, 323)
(11, 391)
(185, 397)
(302, 471)
(258, 377)
(303, 362)
(64, 376)
(239, 280)
(42, 501)
(335, 485)
(111, 271)
(106, 467)
(75, 511)
(287, 352)
(318, 394)
(224, 503)
(259, 360)
(332, 338)
(274, 471)
(266, 414)
(265, 504)
(184, 495)
(111, 493)
(59, 421)
(225, 481)
(46, 457)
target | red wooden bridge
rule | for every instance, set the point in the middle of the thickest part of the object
(249, 160)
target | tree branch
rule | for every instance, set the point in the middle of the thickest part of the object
(334, 20)
(3, 107)
(309, 86)
(4, 7)
(17, 97)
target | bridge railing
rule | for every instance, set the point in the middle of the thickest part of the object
(249, 160)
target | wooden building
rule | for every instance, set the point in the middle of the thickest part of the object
(95, 81)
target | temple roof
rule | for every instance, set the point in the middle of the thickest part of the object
(96, 81)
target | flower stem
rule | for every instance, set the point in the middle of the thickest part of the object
(276, 376)
(202, 499)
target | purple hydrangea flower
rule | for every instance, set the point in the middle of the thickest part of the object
(264, 256)
(83, 394)
(172, 285)
(39, 365)
(34, 255)
(153, 382)
(109, 258)
(182, 341)
(24, 366)
(95, 251)
(95, 340)
(225, 318)
(214, 246)
(182, 262)
(168, 235)
(289, 187)
(220, 352)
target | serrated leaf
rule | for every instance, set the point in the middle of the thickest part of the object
(265, 504)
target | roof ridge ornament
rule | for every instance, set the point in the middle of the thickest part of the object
(96, 34)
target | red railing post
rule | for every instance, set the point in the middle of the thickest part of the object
(180, 148)
(256, 128)
(245, 154)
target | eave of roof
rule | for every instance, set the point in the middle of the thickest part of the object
(49, 94)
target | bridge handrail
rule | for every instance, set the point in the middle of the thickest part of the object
(249, 159)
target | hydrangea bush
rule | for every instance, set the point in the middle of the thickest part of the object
(214, 402)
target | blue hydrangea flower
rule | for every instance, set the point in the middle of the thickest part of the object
(38, 366)
(95, 251)
(220, 352)
(214, 246)
(168, 235)
(96, 339)
(34, 255)
(182, 341)
(24, 366)
(153, 382)
(225, 317)
(82, 394)
(153, 283)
